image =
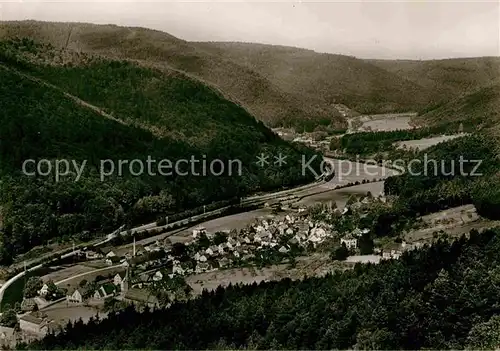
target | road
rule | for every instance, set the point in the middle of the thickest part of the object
(319, 192)
(87, 273)
(13, 279)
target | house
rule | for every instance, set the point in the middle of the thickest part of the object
(199, 231)
(44, 290)
(283, 249)
(141, 297)
(220, 249)
(177, 270)
(112, 260)
(396, 254)
(224, 262)
(157, 276)
(31, 323)
(200, 257)
(77, 295)
(350, 242)
(105, 291)
(120, 279)
(92, 255)
(357, 232)
(137, 260)
(37, 323)
(386, 255)
(108, 252)
(202, 267)
(209, 251)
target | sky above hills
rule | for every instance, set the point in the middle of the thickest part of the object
(405, 30)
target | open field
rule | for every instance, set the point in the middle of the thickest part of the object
(347, 171)
(425, 235)
(63, 312)
(88, 276)
(425, 143)
(381, 122)
(340, 196)
(314, 265)
(66, 273)
(462, 214)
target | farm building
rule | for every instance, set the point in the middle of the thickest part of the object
(141, 297)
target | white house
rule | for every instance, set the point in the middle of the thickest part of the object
(92, 255)
(119, 280)
(157, 276)
(199, 231)
(75, 297)
(112, 260)
(104, 291)
(220, 249)
(350, 242)
(44, 290)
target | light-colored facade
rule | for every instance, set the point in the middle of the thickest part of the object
(75, 297)
(350, 243)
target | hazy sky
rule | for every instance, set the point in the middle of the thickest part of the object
(411, 29)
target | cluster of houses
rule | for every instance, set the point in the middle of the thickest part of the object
(113, 256)
(36, 324)
(122, 286)
(107, 289)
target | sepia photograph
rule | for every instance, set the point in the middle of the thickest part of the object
(249, 175)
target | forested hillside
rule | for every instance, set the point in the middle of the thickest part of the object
(360, 85)
(439, 297)
(480, 108)
(458, 172)
(163, 116)
(449, 78)
(261, 97)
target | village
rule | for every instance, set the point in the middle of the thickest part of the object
(100, 280)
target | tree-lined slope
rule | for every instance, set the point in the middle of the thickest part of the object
(330, 78)
(165, 116)
(258, 95)
(480, 108)
(450, 77)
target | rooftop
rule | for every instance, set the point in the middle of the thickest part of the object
(32, 319)
(140, 295)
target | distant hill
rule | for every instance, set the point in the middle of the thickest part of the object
(62, 104)
(449, 78)
(480, 108)
(260, 96)
(330, 78)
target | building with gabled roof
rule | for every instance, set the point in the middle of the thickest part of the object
(105, 291)
(141, 297)
(349, 241)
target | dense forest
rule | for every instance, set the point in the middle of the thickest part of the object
(440, 181)
(441, 297)
(369, 143)
(156, 115)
